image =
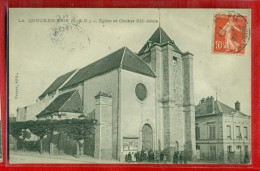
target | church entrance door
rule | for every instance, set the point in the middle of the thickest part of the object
(147, 137)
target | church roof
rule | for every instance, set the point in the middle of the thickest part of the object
(67, 102)
(57, 83)
(159, 37)
(122, 58)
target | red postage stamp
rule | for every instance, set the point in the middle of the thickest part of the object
(230, 33)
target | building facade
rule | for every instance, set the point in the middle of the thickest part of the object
(222, 132)
(141, 100)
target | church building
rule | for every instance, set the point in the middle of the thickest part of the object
(141, 100)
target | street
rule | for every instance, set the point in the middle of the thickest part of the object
(35, 157)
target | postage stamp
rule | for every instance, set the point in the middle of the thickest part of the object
(231, 33)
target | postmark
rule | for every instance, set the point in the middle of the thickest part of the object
(68, 34)
(231, 33)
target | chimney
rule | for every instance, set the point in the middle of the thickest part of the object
(237, 105)
(210, 99)
(210, 104)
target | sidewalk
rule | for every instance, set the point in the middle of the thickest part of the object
(34, 157)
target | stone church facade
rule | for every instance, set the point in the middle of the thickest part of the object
(141, 100)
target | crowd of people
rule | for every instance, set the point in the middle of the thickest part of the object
(150, 156)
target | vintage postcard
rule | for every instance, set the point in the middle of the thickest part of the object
(133, 86)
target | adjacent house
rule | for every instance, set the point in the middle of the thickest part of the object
(222, 132)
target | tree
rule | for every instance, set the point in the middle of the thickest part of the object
(15, 130)
(25, 134)
(78, 130)
(40, 129)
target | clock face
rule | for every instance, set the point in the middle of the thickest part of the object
(141, 91)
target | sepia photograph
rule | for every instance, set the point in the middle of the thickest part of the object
(129, 86)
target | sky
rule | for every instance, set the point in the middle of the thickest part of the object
(40, 51)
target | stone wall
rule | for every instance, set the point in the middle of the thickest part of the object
(157, 66)
(30, 112)
(188, 104)
(107, 83)
(134, 113)
(103, 131)
(168, 66)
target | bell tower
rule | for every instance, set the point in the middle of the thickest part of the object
(174, 92)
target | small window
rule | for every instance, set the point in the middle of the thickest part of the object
(246, 148)
(197, 132)
(229, 148)
(212, 132)
(197, 147)
(174, 64)
(245, 132)
(228, 132)
(238, 133)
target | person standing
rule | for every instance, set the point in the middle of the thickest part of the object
(157, 156)
(164, 158)
(185, 157)
(134, 157)
(149, 155)
(126, 158)
(180, 158)
(142, 156)
(129, 157)
(145, 155)
(137, 156)
(152, 156)
(175, 158)
(161, 156)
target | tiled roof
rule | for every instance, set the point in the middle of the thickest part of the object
(122, 58)
(159, 37)
(57, 83)
(219, 107)
(227, 109)
(67, 102)
(132, 62)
